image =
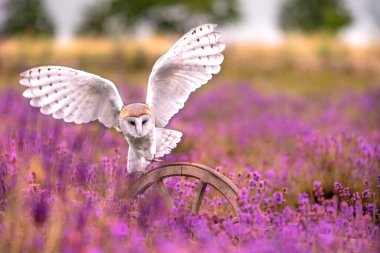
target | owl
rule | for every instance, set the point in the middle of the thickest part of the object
(80, 97)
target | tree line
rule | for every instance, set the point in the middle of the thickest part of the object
(30, 17)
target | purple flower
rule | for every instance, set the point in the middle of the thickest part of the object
(256, 176)
(40, 211)
(70, 181)
(119, 229)
(278, 198)
(366, 194)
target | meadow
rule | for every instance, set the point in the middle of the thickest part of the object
(295, 127)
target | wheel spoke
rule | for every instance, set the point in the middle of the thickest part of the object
(198, 199)
(205, 175)
(165, 194)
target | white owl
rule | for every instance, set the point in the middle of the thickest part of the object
(80, 97)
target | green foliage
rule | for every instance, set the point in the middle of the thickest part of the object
(168, 15)
(26, 16)
(314, 15)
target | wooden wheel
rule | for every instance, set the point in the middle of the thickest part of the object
(206, 176)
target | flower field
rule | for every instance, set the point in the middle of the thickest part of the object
(301, 140)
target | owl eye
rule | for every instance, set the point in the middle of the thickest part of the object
(144, 121)
(132, 123)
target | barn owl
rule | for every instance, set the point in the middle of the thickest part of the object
(80, 97)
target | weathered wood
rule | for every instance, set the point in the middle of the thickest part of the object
(199, 197)
(164, 193)
(205, 174)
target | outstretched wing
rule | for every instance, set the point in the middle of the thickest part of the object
(188, 65)
(72, 95)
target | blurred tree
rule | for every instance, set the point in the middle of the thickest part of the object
(314, 15)
(26, 16)
(168, 15)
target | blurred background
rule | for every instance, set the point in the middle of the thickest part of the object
(273, 44)
(297, 100)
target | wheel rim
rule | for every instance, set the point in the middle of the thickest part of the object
(206, 176)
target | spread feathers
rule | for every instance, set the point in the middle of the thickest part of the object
(80, 97)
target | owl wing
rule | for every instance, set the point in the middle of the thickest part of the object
(188, 65)
(72, 95)
(167, 140)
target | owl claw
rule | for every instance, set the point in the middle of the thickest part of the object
(141, 173)
(155, 160)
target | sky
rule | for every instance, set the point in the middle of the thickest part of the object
(364, 27)
(259, 23)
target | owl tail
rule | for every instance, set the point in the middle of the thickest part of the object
(167, 140)
(136, 163)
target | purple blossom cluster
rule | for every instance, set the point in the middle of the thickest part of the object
(308, 174)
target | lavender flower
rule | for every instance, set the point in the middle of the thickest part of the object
(61, 184)
(278, 198)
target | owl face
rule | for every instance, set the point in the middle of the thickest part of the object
(137, 127)
(136, 120)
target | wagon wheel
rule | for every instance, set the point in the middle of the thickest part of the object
(206, 176)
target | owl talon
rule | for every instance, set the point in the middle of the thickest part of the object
(141, 173)
(155, 160)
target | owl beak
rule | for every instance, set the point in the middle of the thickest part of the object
(139, 129)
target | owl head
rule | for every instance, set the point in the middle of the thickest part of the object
(136, 120)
